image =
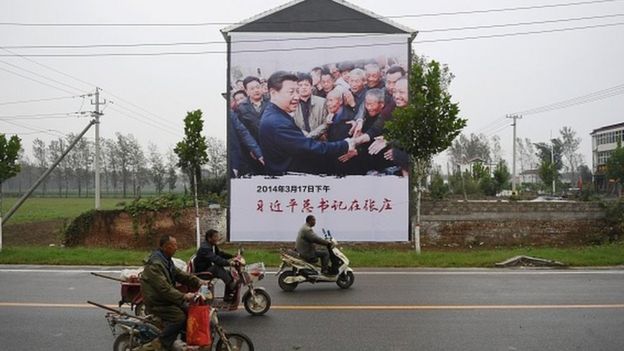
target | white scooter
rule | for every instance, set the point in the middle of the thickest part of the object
(302, 271)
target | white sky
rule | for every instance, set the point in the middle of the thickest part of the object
(493, 76)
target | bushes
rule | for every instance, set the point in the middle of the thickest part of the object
(614, 220)
(437, 188)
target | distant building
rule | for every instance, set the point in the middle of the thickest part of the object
(604, 141)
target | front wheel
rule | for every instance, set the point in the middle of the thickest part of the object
(286, 286)
(235, 342)
(258, 304)
(124, 342)
(345, 280)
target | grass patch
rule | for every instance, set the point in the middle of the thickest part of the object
(42, 209)
(603, 255)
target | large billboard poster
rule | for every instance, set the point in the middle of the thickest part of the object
(326, 156)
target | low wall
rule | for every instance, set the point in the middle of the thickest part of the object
(495, 224)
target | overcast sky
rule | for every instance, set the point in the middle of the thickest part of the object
(494, 76)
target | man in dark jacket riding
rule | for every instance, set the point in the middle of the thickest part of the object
(210, 259)
(158, 285)
(306, 238)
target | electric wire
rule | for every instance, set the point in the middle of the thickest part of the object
(347, 36)
(221, 52)
(37, 100)
(587, 98)
(454, 13)
(39, 75)
(35, 80)
(79, 80)
(147, 122)
(51, 132)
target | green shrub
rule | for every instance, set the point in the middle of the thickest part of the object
(437, 188)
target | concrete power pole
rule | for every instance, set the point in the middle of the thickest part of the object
(552, 161)
(96, 116)
(513, 177)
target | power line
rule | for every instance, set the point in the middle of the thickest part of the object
(38, 100)
(48, 67)
(42, 115)
(347, 36)
(51, 132)
(148, 122)
(35, 80)
(587, 98)
(520, 33)
(171, 124)
(78, 80)
(503, 25)
(213, 51)
(468, 12)
(39, 75)
(318, 47)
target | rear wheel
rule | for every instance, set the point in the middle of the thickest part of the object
(235, 342)
(345, 280)
(124, 342)
(258, 304)
(286, 286)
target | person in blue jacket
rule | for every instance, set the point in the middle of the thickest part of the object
(285, 147)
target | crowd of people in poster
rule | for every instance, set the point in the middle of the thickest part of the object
(335, 128)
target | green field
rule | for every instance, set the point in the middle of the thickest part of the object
(37, 209)
(602, 255)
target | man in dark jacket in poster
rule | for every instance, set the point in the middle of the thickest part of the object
(162, 299)
(285, 146)
(210, 259)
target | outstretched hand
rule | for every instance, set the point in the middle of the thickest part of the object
(377, 145)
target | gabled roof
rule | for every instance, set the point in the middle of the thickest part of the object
(318, 16)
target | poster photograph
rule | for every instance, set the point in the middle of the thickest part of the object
(305, 135)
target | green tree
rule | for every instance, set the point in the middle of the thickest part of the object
(501, 176)
(615, 166)
(549, 170)
(429, 123)
(487, 185)
(9, 152)
(192, 150)
(437, 188)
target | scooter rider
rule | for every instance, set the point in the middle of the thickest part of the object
(162, 299)
(306, 239)
(210, 259)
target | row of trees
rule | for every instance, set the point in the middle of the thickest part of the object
(530, 156)
(126, 167)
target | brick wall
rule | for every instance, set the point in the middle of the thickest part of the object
(495, 224)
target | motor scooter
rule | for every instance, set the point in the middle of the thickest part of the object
(294, 269)
(256, 300)
(134, 333)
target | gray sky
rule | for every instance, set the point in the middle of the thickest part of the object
(494, 77)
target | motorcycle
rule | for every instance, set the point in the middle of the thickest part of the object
(134, 333)
(255, 299)
(303, 271)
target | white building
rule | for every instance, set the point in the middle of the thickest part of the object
(604, 141)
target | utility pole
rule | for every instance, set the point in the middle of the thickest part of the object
(96, 116)
(46, 173)
(552, 162)
(513, 177)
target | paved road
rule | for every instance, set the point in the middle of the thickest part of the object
(395, 310)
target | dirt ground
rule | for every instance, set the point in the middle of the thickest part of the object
(42, 233)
